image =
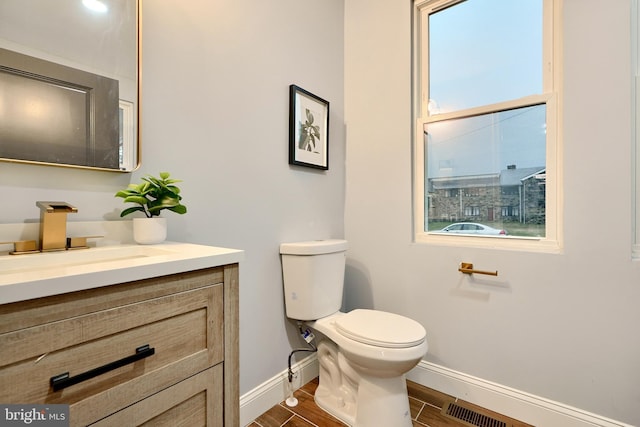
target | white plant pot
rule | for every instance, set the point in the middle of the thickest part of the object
(149, 231)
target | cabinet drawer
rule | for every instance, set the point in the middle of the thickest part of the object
(184, 329)
(25, 314)
(196, 401)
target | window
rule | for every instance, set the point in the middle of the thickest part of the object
(472, 211)
(486, 108)
(510, 211)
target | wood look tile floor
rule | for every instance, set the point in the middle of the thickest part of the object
(425, 404)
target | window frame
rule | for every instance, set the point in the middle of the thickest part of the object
(550, 97)
(635, 146)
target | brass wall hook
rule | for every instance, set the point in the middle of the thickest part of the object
(467, 268)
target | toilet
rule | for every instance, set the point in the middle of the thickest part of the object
(363, 354)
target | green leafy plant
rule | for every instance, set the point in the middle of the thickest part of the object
(153, 195)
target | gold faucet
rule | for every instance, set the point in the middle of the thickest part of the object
(53, 225)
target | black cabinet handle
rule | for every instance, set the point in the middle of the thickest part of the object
(61, 381)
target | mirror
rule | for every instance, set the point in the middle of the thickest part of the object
(69, 83)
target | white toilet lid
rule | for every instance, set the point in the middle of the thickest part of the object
(380, 329)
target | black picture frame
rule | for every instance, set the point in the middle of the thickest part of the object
(308, 129)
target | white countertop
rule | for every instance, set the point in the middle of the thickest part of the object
(29, 276)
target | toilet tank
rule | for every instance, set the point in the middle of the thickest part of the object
(313, 276)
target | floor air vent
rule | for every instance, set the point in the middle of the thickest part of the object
(470, 417)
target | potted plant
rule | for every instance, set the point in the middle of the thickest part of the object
(151, 197)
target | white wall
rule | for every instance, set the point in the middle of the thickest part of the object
(215, 114)
(215, 100)
(216, 83)
(561, 326)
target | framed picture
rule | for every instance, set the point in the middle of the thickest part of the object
(308, 129)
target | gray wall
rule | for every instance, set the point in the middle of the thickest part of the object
(215, 114)
(561, 326)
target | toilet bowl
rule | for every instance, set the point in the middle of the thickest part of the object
(363, 354)
(363, 359)
(382, 343)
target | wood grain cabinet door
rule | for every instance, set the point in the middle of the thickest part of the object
(194, 402)
(185, 331)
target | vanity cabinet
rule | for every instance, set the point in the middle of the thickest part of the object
(160, 351)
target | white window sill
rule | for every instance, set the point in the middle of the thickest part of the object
(526, 244)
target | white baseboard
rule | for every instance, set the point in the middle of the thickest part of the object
(513, 403)
(275, 390)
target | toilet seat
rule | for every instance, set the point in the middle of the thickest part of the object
(380, 329)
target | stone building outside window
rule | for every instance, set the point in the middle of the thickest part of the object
(513, 195)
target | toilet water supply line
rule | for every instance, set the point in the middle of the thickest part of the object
(308, 336)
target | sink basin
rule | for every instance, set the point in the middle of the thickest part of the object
(50, 273)
(62, 259)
